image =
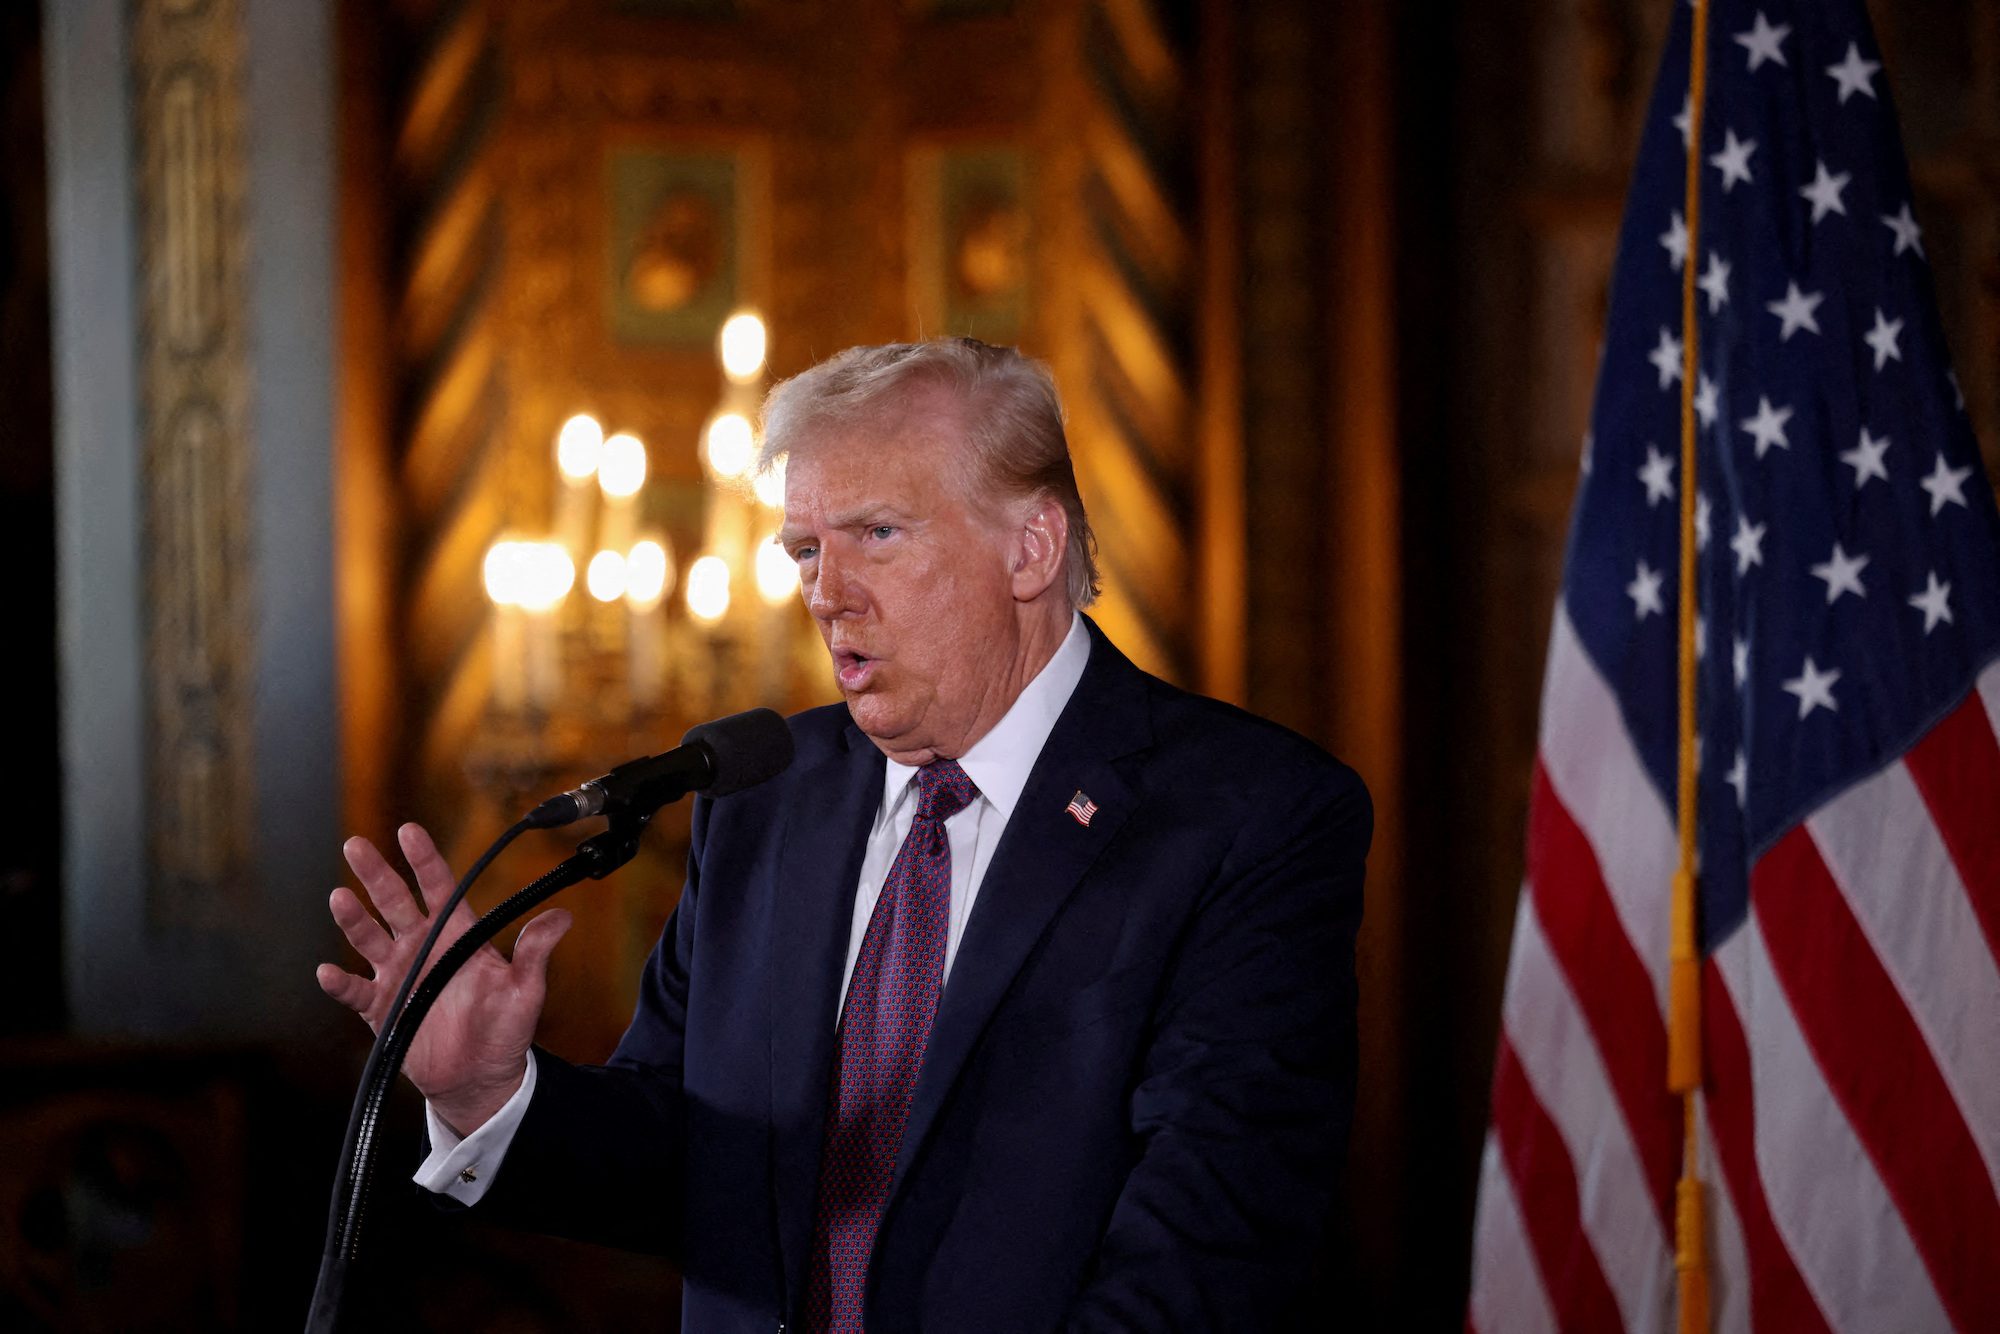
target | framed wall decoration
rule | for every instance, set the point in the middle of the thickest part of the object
(970, 241)
(676, 244)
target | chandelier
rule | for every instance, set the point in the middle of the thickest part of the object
(605, 639)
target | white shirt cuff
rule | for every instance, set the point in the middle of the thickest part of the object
(464, 1168)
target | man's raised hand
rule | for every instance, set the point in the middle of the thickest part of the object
(472, 1051)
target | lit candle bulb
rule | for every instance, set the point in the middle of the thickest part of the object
(621, 475)
(503, 589)
(708, 589)
(777, 573)
(606, 576)
(648, 574)
(579, 450)
(549, 574)
(769, 486)
(730, 445)
(622, 469)
(777, 584)
(742, 345)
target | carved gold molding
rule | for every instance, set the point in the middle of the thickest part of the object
(1124, 268)
(451, 362)
(187, 107)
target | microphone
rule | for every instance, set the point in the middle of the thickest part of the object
(717, 758)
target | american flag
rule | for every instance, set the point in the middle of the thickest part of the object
(1849, 809)
(1081, 807)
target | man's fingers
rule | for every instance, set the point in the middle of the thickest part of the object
(434, 875)
(345, 987)
(537, 940)
(363, 932)
(386, 890)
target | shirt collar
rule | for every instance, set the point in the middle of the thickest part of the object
(999, 762)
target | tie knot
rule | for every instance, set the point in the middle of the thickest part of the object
(943, 790)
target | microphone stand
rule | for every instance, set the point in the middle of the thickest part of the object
(595, 858)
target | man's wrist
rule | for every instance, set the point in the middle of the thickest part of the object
(463, 1166)
(464, 1111)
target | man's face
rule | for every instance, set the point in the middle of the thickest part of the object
(909, 583)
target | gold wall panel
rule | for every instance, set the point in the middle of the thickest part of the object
(187, 109)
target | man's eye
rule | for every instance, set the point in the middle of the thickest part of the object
(804, 554)
(882, 532)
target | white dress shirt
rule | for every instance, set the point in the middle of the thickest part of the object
(998, 765)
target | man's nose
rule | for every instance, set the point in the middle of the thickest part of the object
(834, 590)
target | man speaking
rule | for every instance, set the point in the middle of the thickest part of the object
(1024, 1000)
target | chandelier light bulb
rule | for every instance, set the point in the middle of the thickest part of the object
(504, 572)
(622, 469)
(547, 576)
(777, 572)
(743, 342)
(648, 572)
(579, 447)
(769, 486)
(606, 576)
(731, 445)
(708, 588)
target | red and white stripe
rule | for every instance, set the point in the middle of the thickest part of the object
(1850, 1116)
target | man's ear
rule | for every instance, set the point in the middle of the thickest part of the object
(1041, 538)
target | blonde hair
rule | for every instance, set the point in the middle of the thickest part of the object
(1006, 411)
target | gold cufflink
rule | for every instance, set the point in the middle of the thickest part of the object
(468, 1176)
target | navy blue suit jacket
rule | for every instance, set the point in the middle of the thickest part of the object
(1138, 1084)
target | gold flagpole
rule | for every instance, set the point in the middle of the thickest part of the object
(1683, 956)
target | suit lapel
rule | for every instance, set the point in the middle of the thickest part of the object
(813, 910)
(1041, 857)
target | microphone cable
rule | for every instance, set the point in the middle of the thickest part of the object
(347, 1190)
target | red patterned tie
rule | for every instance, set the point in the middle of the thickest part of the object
(887, 1020)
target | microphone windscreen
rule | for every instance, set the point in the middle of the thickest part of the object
(748, 748)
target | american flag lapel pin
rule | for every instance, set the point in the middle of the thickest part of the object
(1081, 807)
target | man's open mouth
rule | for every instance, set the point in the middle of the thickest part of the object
(852, 667)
